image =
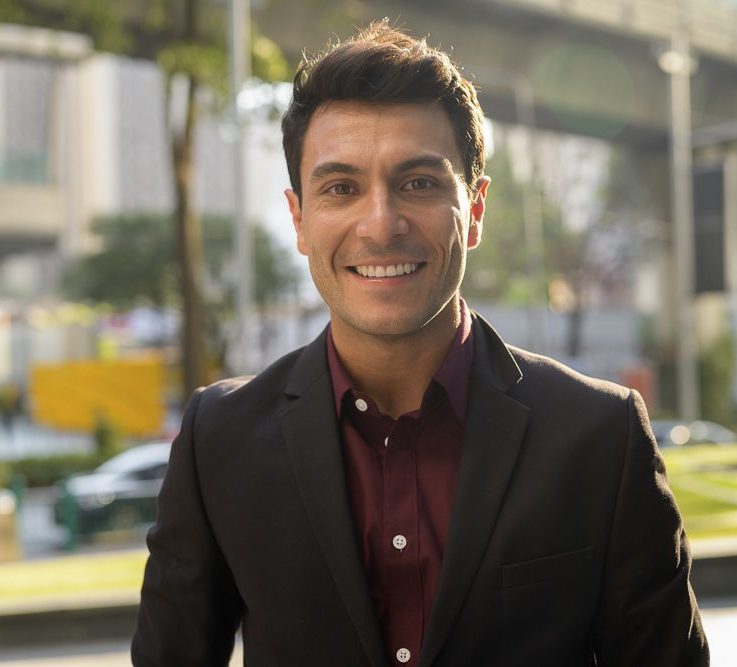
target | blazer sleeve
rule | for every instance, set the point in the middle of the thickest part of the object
(648, 613)
(190, 607)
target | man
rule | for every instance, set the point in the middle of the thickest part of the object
(407, 489)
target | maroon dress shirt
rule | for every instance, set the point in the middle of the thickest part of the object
(401, 477)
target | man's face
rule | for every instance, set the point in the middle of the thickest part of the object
(385, 218)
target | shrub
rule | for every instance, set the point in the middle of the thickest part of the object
(45, 471)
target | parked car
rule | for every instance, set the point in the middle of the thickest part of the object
(119, 494)
(674, 433)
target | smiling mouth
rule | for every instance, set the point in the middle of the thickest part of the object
(386, 271)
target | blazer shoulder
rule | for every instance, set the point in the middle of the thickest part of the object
(272, 378)
(248, 396)
(554, 381)
(576, 408)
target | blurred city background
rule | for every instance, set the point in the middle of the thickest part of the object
(146, 249)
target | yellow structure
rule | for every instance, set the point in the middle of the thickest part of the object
(129, 393)
(8, 534)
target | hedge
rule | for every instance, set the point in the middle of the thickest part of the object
(46, 470)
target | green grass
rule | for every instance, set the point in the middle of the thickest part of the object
(704, 481)
(699, 457)
(79, 575)
(696, 504)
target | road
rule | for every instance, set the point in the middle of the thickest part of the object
(720, 624)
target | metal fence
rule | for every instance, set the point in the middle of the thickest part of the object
(40, 534)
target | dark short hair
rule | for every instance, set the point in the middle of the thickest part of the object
(383, 65)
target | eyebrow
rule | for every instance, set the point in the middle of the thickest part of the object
(421, 161)
(330, 168)
(426, 161)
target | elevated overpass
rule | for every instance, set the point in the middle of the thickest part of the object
(592, 64)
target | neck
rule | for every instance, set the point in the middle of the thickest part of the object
(396, 370)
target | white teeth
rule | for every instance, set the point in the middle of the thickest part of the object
(389, 271)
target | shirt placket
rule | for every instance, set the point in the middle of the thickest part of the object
(402, 583)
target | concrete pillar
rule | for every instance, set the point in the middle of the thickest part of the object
(730, 244)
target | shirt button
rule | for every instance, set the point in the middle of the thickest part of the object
(403, 655)
(361, 405)
(399, 542)
(386, 441)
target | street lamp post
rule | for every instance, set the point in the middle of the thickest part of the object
(678, 63)
(239, 47)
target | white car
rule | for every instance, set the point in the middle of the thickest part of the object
(674, 433)
(121, 493)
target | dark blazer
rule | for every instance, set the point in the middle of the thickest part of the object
(565, 545)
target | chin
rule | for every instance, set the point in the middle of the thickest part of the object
(390, 324)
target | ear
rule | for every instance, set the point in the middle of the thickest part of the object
(478, 206)
(296, 210)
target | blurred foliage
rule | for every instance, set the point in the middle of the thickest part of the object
(276, 273)
(497, 269)
(626, 189)
(100, 20)
(107, 438)
(716, 375)
(152, 29)
(267, 60)
(136, 263)
(133, 266)
(46, 470)
(203, 62)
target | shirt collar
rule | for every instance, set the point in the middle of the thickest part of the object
(453, 375)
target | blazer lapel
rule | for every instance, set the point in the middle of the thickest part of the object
(495, 426)
(311, 434)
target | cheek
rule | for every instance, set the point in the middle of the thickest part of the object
(317, 245)
(460, 230)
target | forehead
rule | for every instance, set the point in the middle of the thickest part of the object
(364, 133)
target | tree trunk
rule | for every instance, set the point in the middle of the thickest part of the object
(575, 318)
(189, 231)
(189, 249)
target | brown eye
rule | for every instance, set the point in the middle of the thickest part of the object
(418, 184)
(340, 189)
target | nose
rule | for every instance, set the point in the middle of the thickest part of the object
(382, 220)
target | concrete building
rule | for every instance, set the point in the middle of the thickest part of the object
(86, 137)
